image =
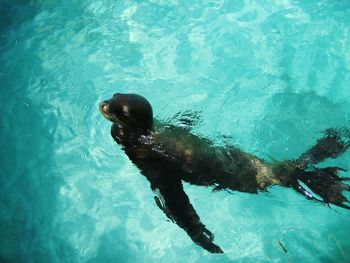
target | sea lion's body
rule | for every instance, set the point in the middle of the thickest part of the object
(199, 162)
(167, 155)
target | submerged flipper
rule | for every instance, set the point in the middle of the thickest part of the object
(300, 189)
(326, 183)
(334, 143)
(173, 201)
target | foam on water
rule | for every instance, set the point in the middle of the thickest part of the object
(271, 75)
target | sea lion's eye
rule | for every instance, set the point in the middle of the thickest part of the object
(126, 111)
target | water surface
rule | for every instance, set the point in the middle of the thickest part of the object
(270, 75)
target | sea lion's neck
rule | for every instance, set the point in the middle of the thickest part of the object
(127, 137)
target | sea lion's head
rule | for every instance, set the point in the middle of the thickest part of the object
(131, 111)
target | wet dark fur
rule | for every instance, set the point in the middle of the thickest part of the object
(167, 155)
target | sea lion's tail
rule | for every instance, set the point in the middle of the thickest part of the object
(318, 184)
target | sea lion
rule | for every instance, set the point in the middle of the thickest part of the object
(167, 155)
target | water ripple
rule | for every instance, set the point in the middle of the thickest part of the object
(269, 75)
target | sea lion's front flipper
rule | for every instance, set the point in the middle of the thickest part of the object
(173, 201)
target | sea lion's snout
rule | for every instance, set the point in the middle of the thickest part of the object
(103, 106)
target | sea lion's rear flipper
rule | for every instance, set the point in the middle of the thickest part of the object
(317, 184)
(334, 143)
(300, 189)
(326, 183)
(173, 201)
(323, 182)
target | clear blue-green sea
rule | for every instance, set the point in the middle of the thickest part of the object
(268, 75)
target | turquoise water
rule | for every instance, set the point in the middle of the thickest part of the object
(271, 75)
